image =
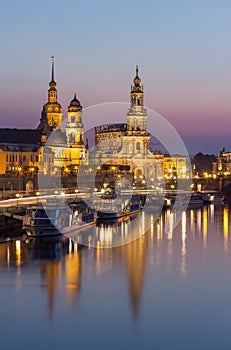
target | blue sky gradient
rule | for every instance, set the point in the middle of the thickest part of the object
(182, 48)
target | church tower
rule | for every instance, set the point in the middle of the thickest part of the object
(52, 107)
(75, 131)
(137, 116)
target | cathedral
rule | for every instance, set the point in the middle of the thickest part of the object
(66, 142)
(127, 146)
(51, 146)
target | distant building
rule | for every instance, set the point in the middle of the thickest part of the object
(222, 166)
(22, 150)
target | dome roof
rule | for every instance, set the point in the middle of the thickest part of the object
(75, 103)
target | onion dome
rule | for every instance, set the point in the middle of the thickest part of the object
(75, 104)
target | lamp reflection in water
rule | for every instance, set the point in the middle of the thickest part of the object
(18, 252)
(192, 224)
(211, 210)
(169, 222)
(205, 227)
(183, 244)
(8, 256)
(226, 227)
(199, 220)
(169, 232)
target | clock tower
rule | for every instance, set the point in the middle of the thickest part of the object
(137, 115)
(52, 108)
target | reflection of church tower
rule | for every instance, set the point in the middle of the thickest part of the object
(137, 116)
(53, 272)
(135, 255)
(52, 108)
(73, 268)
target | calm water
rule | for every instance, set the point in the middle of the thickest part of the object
(166, 290)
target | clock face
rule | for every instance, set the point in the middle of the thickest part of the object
(56, 109)
(49, 109)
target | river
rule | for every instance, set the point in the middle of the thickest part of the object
(168, 289)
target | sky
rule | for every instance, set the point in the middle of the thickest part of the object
(182, 48)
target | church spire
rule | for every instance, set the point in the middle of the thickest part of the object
(52, 83)
(137, 90)
(137, 70)
(53, 68)
(52, 108)
(137, 116)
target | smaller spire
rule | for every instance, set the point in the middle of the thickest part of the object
(75, 95)
(137, 79)
(53, 68)
(137, 70)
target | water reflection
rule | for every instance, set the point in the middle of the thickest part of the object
(205, 226)
(64, 264)
(226, 227)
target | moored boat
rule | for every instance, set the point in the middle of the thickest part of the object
(215, 197)
(42, 221)
(132, 208)
(196, 200)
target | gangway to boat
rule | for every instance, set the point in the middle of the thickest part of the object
(13, 215)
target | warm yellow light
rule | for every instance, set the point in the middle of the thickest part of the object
(205, 227)
(18, 252)
(226, 227)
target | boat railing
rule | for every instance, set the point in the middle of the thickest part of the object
(39, 221)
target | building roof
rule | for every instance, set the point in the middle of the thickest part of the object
(118, 127)
(20, 136)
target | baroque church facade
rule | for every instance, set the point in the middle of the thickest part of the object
(50, 146)
(127, 146)
(66, 142)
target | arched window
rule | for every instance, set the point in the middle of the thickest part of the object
(138, 146)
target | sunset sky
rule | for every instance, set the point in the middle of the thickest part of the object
(182, 47)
